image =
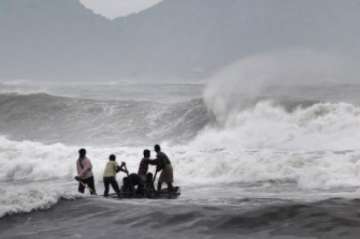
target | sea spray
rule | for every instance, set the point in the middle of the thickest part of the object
(293, 76)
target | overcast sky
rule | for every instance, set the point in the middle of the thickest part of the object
(116, 8)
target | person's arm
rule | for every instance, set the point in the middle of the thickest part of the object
(153, 161)
(122, 168)
(156, 162)
(78, 168)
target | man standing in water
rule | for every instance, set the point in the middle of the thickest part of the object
(143, 166)
(111, 169)
(85, 175)
(163, 164)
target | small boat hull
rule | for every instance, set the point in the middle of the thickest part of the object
(164, 194)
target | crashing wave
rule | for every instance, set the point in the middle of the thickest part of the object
(51, 119)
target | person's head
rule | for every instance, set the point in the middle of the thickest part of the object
(157, 148)
(112, 157)
(82, 153)
(146, 153)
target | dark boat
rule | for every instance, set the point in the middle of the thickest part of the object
(163, 194)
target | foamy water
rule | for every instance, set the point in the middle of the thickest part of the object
(263, 150)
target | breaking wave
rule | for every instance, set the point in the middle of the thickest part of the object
(52, 119)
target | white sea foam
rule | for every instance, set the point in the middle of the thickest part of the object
(317, 147)
(26, 197)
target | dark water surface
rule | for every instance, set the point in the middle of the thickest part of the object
(101, 218)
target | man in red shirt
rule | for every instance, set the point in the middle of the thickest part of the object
(85, 176)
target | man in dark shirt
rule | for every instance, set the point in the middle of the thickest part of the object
(144, 165)
(163, 164)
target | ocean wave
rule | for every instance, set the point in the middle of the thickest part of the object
(26, 198)
(51, 119)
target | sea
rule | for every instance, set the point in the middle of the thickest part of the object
(280, 162)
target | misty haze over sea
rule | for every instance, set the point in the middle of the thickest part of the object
(173, 40)
(256, 102)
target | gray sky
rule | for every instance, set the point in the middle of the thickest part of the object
(116, 8)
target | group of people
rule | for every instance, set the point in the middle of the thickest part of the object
(141, 182)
